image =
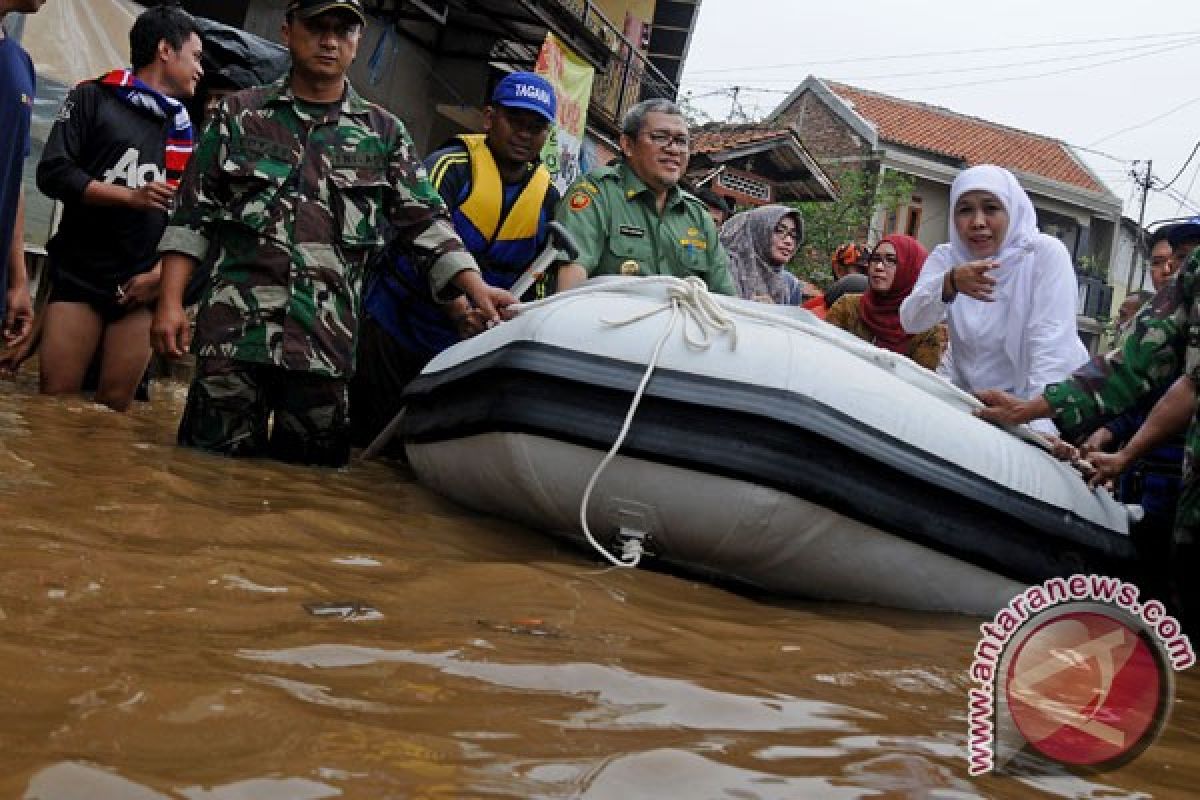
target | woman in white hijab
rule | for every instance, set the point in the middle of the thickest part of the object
(1007, 291)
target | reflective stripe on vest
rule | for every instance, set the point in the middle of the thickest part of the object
(510, 239)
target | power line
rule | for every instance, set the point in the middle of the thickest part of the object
(1171, 182)
(898, 56)
(980, 68)
(730, 89)
(1191, 183)
(1051, 73)
(1150, 121)
(1182, 198)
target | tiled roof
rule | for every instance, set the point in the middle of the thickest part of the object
(975, 141)
(715, 138)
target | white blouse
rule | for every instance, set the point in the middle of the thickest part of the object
(1023, 340)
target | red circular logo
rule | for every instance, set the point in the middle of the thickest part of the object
(1085, 688)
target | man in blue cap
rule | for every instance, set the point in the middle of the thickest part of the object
(501, 199)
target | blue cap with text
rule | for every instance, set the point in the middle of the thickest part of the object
(526, 90)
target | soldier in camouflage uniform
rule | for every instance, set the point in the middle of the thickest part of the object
(1163, 350)
(286, 201)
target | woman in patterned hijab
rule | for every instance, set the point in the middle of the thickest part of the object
(760, 242)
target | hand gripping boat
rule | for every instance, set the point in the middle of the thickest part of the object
(758, 445)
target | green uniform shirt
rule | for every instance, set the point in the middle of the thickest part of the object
(1164, 344)
(615, 221)
(285, 203)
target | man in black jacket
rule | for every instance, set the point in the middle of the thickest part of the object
(114, 158)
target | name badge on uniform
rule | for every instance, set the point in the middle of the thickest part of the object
(632, 230)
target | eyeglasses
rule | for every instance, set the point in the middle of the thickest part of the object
(665, 139)
(787, 232)
(878, 259)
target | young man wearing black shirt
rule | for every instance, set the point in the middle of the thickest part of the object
(114, 158)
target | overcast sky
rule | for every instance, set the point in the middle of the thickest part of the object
(769, 46)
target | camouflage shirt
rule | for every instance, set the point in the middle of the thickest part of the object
(1164, 344)
(285, 202)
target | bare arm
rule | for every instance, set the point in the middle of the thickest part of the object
(154, 196)
(18, 320)
(171, 333)
(570, 276)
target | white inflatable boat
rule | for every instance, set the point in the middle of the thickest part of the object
(768, 448)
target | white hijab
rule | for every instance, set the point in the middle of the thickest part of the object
(1014, 276)
(1022, 219)
(1020, 256)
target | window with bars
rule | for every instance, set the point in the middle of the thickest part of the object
(745, 184)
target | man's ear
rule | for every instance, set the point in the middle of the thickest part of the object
(164, 50)
(626, 143)
(489, 117)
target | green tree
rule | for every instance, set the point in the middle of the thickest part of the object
(828, 225)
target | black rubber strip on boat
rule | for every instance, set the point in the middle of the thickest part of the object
(766, 436)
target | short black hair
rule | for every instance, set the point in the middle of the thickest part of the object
(1159, 235)
(166, 22)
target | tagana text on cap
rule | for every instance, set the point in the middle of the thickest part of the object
(526, 90)
(310, 8)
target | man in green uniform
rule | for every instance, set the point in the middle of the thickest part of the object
(633, 219)
(285, 201)
(1163, 350)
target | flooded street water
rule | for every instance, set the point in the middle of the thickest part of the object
(185, 626)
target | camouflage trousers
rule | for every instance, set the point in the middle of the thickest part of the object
(243, 409)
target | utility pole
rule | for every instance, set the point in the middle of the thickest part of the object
(1137, 245)
(733, 104)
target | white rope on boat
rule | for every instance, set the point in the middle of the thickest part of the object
(687, 298)
(815, 328)
(690, 299)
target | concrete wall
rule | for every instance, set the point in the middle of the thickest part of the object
(826, 136)
(404, 78)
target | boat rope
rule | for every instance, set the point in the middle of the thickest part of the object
(687, 299)
(815, 328)
(690, 299)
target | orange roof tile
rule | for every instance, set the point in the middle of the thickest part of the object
(714, 138)
(973, 140)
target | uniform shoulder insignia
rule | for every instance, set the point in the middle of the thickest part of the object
(587, 186)
(579, 200)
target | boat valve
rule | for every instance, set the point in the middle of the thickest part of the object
(633, 545)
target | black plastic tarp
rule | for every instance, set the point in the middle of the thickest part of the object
(234, 59)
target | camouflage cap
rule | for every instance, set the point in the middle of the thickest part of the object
(310, 8)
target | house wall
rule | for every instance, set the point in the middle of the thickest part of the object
(615, 11)
(932, 208)
(827, 137)
(1120, 269)
(407, 80)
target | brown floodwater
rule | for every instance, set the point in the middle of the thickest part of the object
(177, 625)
